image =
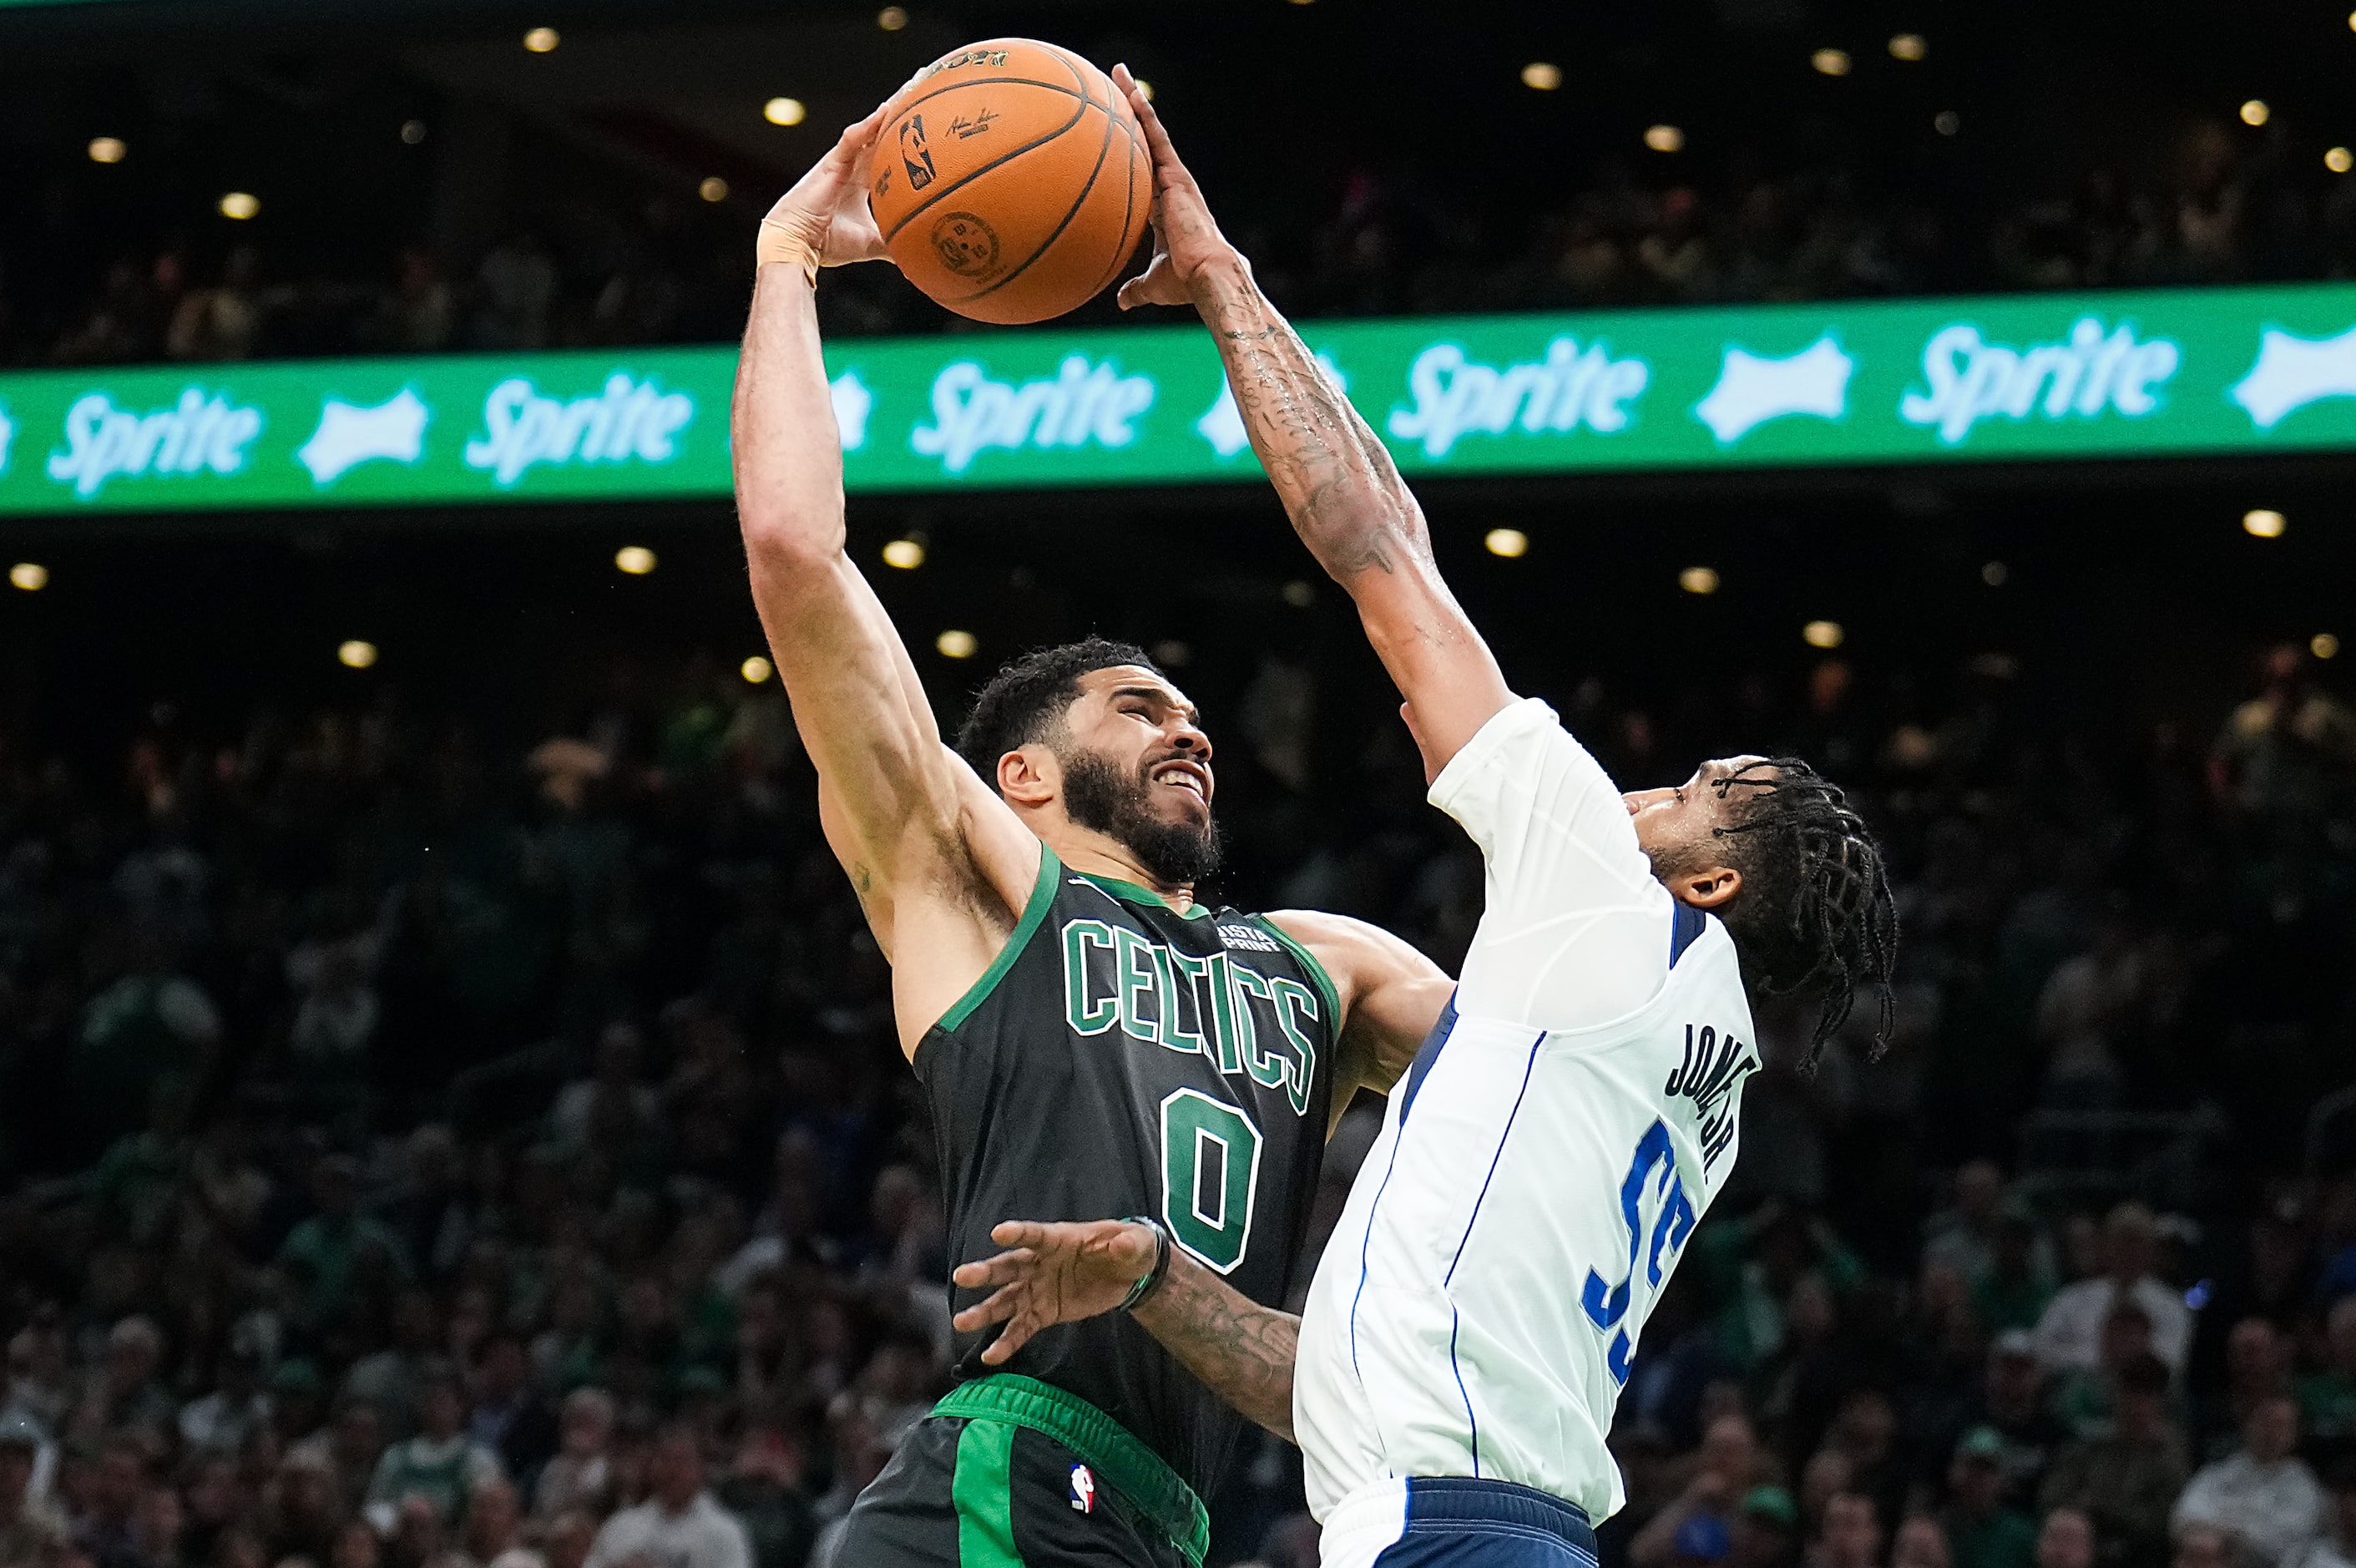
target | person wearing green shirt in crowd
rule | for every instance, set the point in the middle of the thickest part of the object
(338, 1245)
(2327, 1399)
(443, 1464)
(1981, 1531)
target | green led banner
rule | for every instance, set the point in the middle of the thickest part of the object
(2020, 377)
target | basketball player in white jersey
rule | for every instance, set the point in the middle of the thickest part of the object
(1548, 1154)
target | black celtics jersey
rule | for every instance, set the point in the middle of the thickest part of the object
(1123, 1058)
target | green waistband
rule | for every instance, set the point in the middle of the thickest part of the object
(1120, 1460)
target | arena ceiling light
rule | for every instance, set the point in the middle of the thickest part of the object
(1831, 62)
(1509, 542)
(240, 205)
(1665, 139)
(29, 575)
(1825, 634)
(907, 555)
(1908, 47)
(784, 112)
(635, 559)
(954, 644)
(2323, 645)
(2339, 160)
(1698, 580)
(1946, 122)
(2255, 113)
(107, 150)
(712, 188)
(412, 132)
(1994, 574)
(1300, 594)
(356, 654)
(1542, 76)
(756, 670)
(2264, 522)
(892, 18)
(541, 40)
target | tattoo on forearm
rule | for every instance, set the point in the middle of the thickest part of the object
(1337, 481)
(1241, 1350)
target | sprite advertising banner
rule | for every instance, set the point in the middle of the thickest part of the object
(2020, 377)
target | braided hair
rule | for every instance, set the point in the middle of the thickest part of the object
(1816, 915)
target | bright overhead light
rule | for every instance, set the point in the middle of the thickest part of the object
(1146, 88)
(2264, 522)
(1510, 542)
(412, 132)
(1946, 122)
(1908, 47)
(907, 555)
(1994, 574)
(1830, 62)
(712, 188)
(540, 40)
(2323, 645)
(2339, 160)
(956, 644)
(1665, 138)
(892, 18)
(29, 575)
(784, 112)
(107, 149)
(240, 205)
(756, 670)
(2255, 113)
(635, 559)
(356, 654)
(1823, 634)
(1698, 580)
(1300, 594)
(1544, 76)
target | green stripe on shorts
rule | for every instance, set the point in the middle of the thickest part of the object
(983, 1489)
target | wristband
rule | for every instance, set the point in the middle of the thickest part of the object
(1153, 1277)
(780, 243)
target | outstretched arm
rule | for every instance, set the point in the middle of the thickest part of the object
(1337, 481)
(904, 815)
(1241, 1350)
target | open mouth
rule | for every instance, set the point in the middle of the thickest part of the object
(1184, 775)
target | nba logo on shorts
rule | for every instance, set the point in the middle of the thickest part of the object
(1084, 1490)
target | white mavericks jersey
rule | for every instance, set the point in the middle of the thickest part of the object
(1543, 1164)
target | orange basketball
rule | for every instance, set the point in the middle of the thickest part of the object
(1011, 181)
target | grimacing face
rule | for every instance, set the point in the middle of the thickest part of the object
(1143, 728)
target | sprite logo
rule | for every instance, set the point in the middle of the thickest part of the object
(196, 435)
(1085, 402)
(1457, 396)
(630, 421)
(1968, 379)
(1217, 1007)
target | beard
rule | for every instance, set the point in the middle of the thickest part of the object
(1098, 795)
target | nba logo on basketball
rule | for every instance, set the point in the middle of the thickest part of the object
(1084, 1490)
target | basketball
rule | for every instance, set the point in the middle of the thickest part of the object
(1011, 181)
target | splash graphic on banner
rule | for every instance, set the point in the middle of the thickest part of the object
(2023, 377)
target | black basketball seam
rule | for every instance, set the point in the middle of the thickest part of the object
(972, 175)
(1057, 232)
(1127, 243)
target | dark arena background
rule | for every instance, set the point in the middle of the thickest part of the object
(422, 977)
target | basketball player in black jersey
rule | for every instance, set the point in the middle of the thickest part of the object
(1091, 1039)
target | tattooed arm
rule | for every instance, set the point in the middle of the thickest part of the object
(1335, 478)
(1241, 1350)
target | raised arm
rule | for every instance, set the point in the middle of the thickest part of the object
(1336, 479)
(899, 807)
(1064, 1273)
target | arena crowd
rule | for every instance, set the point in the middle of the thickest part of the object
(429, 1151)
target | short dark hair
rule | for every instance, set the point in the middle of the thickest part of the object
(2144, 1374)
(1814, 916)
(1027, 698)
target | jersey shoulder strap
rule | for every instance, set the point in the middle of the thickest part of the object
(1034, 915)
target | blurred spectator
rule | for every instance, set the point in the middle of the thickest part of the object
(1849, 1535)
(1980, 1531)
(442, 1465)
(2069, 1337)
(580, 1474)
(2336, 1546)
(2124, 1479)
(2264, 1496)
(2066, 1539)
(680, 1524)
(28, 1531)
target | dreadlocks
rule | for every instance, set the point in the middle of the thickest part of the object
(1816, 915)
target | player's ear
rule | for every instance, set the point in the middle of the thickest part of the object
(1705, 889)
(1029, 776)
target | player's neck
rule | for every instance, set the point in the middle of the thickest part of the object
(1092, 853)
